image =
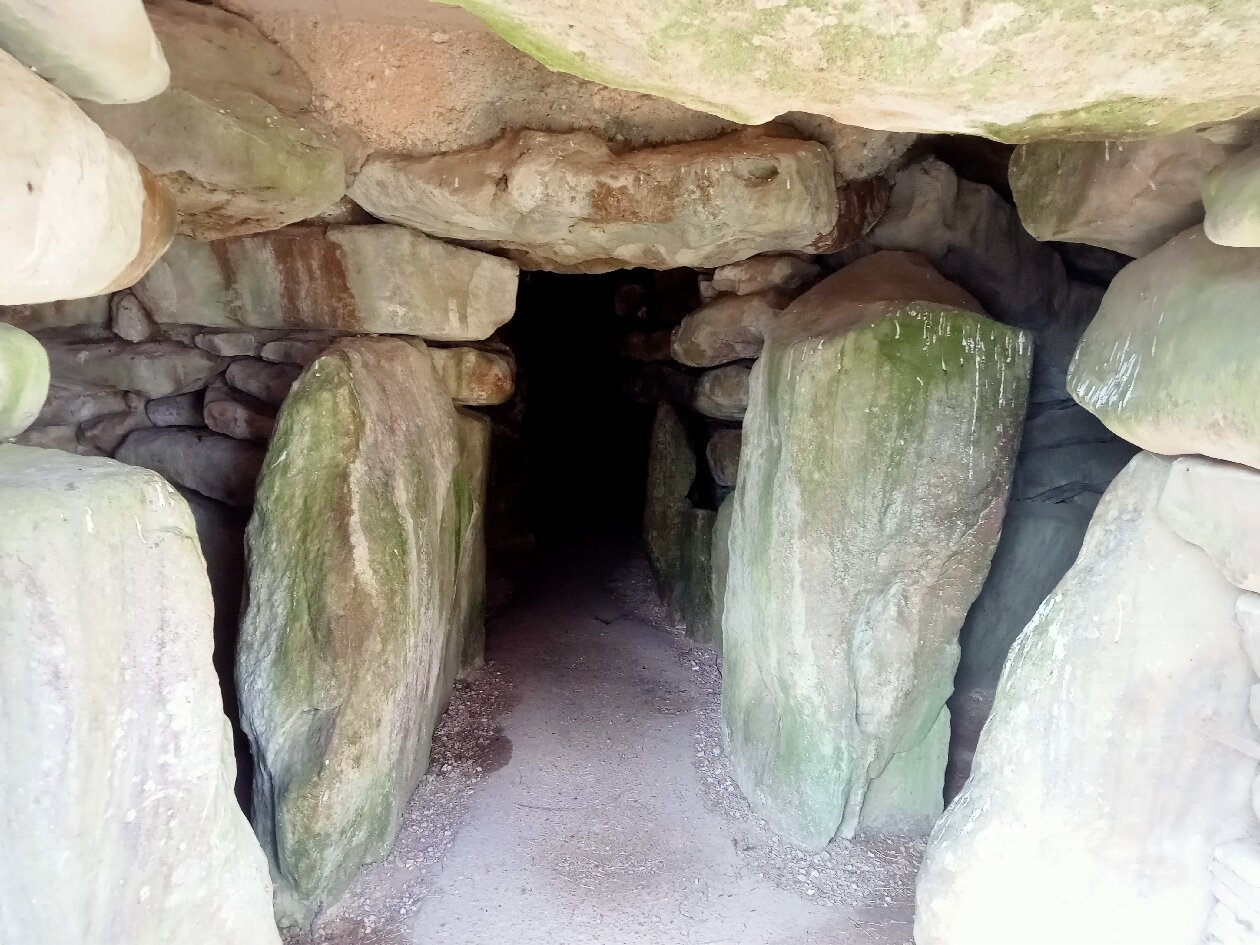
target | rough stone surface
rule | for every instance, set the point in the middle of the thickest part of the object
(569, 203)
(72, 403)
(270, 383)
(24, 380)
(354, 627)
(1129, 196)
(385, 279)
(1105, 777)
(232, 137)
(105, 433)
(1163, 363)
(730, 328)
(1231, 196)
(765, 272)
(178, 410)
(237, 415)
(113, 744)
(298, 352)
(154, 369)
(877, 455)
(229, 344)
(671, 472)
(128, 319)
(90, 315)
(1136, 68)
(474, 377)
(722, 453)
(722, 393)
(58, 436)
(1217, 506)
(82, 217)
(220, 467)
(720, 563)
(102, 51)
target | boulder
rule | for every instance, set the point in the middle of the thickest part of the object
(1164, 365)
(1231, 196)
(877, 454)
(1014, 73)
(385, 279)
(1129, 196)
(722, 453)
(220, 467)
(270, 383)
(154, 369)
(670, 474)
(361, 568)
(233, 137)
(474, 377)
(128, 319)
(115, 757)
(83, 218)
(1105, 777)
(101, 51)
(237, 415)
(228, 344)
(722, 393)
(1216, 506)
(475, 433)
(762, 273)
(568, 203)
(178, 410)
(88, 316)
(24, 380)
(730, 328)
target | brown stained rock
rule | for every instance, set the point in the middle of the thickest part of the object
(474, 377)
(570, 203)
(237, 415)
(764, 272)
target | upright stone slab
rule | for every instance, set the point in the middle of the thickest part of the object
(233, 137)
(23, 380)
(101, 50)
(1106, 775)
(362, 558)
(877, 455)
(119, 823)
(1166, 363)
(82, 217)
(384, 279)
(671, 472)
(567, 202)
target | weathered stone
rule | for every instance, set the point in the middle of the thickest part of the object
(229, 344)
(877, 455)
(354, 629)
(101, 51)
(232, 137)
(1129, 196)
(114, 750)
(722, 393)
(178, 410)
(1015, 74)
(83, 218)
(128, 319)
(106, 432)
(694, 596)
(299, 352)
(24, 380)
(90, 315)
(1217, 506)
(1105, 777)
(475, 431)
(1163, 363)
(270, 383)
(671, 472)
(730, 328)
(71, 403)
(568, 203)
(59, 436)
(218, 466)
(237, 415)
(474, 377)
(154, 369)
(762, 273)
(384, 279)
(1231, 195)
(723, 455)
(720, 563)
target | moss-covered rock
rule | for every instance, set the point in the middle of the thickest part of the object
(364, 559)
(1017, 72)
(24, 380)
(877, 455)
(1165, 363)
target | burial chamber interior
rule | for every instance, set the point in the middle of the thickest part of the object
(624, 534)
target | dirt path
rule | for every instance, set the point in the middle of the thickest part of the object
(579, 797)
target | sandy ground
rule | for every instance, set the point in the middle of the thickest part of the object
(579, 795)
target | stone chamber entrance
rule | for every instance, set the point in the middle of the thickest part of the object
(452, 497)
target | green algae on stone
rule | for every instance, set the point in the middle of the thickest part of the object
(1166, 363)
(360, 610)
(877, 456)
(24, 379)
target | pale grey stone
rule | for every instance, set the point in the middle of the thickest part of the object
(220, 467)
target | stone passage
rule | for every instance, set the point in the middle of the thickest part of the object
(881, 433)
(363, 604)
